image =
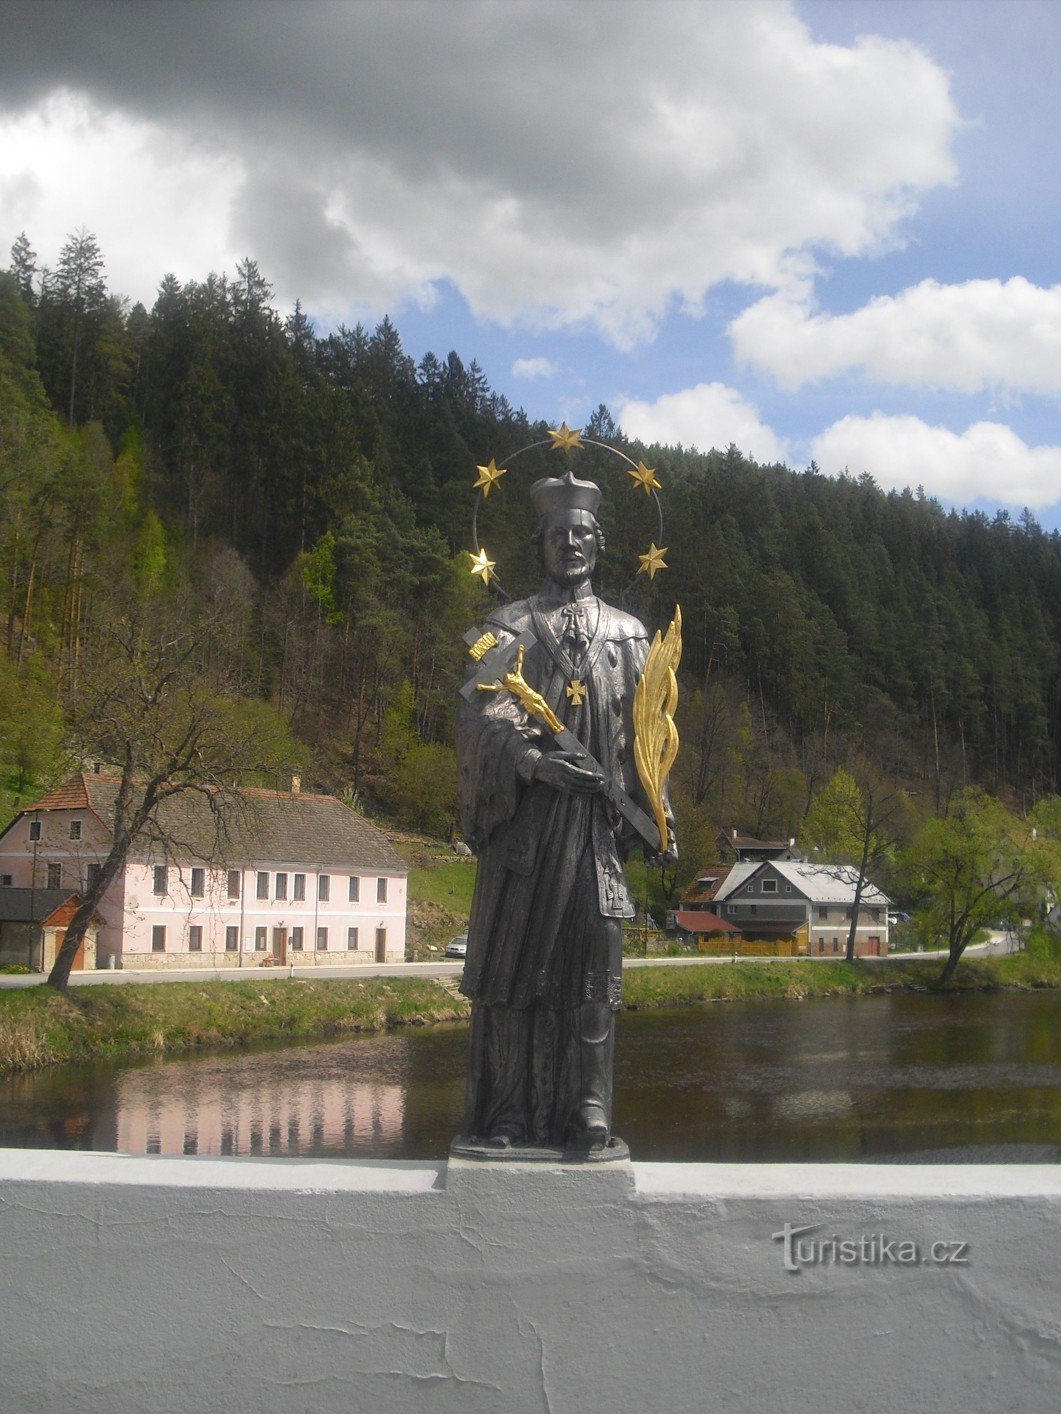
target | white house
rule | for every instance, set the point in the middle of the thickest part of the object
(292, 877)
(814, 902)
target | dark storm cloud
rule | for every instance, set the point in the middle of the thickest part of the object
(559, 163)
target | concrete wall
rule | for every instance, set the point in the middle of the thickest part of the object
(155, 1284)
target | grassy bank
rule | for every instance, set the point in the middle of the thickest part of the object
(39, 1027)
(689, 986)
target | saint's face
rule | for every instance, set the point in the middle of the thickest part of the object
(569, 547)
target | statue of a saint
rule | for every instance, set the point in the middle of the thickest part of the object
(544, 958)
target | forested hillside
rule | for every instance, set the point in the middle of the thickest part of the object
(320, 488)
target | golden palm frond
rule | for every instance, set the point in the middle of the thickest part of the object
(655, 735)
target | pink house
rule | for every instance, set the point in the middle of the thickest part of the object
(295, 878)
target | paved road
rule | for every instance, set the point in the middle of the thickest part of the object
(999, 942)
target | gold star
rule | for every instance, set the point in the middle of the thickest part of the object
(653, 561)
(566, 439)
(489, 476)
(576, 692)
(645, 477)
(481, 565)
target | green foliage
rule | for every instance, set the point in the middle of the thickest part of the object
(833, 824)
(967, 870)
(31, 736)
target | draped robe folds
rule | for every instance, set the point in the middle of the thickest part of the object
(550, 861)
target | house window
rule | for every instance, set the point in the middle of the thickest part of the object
(821, 944)
(752, 907)
(161, 881)
(788, 888)
(381, 890)
(34, 829)
(263, 885)
(322, 940)
(232, 938)
(55, 876)
(6, 881)
(823, 914)
(355, 889)
(324, 888)
(92, 873)
(198, 883)
(836, 945)
(298, 890)
(281, 886)
(769, 886)
(234, 883)
(351, 940)
(195, 938)
(75, 829)
(158, 938)
(296, 939)
(260, 935)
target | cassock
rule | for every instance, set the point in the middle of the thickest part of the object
(544, 938)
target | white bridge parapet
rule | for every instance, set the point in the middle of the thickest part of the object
(289, 1285)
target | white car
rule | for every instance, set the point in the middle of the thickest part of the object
(458, 947)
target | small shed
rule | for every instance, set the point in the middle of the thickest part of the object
(33, 924)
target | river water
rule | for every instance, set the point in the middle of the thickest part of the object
(902, 1078)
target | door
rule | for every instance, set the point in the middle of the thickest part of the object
(381, 945)
(873, 946)
(280, 946)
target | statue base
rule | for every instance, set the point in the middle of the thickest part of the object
(467, 1146)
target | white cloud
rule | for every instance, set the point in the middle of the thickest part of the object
(621, 161)
(155, 205)
(983, 334)
(709, 415)
(988, 459)
(535, 368)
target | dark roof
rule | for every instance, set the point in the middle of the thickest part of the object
(260, 826)
(31, 905)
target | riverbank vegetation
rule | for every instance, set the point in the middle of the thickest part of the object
(40, 1027)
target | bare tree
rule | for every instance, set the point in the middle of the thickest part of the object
(149, 702)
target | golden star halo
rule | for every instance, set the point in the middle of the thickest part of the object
(645, 477)
(566, 439)
(481, 565)
(489, 476)
(653, 560)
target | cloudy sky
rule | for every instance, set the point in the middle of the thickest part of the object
(817, 228)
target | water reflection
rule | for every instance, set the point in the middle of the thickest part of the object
(884, 1078)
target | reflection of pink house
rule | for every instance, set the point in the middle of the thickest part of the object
(296, 878)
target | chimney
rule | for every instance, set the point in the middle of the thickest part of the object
(734, 834)
(296, 785)
(791, 841)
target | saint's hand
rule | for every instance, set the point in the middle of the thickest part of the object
(667, 858)
(562, 770)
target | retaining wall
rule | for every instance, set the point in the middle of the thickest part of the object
(162, 1284)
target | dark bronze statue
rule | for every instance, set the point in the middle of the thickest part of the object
(548, 813)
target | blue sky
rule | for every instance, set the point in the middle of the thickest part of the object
(824, 228)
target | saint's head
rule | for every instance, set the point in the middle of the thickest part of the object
(568, 537)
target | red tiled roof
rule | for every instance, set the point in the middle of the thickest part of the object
(71, 795)
(699, 921)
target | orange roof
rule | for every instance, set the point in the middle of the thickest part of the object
(63, 916)
(71, 795)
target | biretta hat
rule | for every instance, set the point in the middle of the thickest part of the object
(564, 493)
